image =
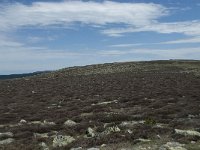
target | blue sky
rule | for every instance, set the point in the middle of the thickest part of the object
(47, 35)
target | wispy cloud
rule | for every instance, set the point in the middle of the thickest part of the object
(104, 16)
(181, 53)
(135, 17)
(127, 45)
(179, 41)
(16, 57)
(92, 13)
(191, 28)
(6, 41)
(182, 41)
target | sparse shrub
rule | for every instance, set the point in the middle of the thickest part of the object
(150, 121)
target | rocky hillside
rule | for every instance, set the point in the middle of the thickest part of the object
(131, 106)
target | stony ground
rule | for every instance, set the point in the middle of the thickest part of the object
(126, 106)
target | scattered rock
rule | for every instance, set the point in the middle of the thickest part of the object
(131, 123)
(172, 146)
(129, 131)
(35, 122)
(105, 103)
(78, 148)
(42, 123)
(111, 130)
(90, 132)
(93, 149)
(191, 116)
(187, 132)
(51, 134)
(2, 126)
(6, 135)
(48, 123)
(44, 146)
(60, 140)
(41, 135)
(107, 124)
(160, 125)
(143, 140)
(158, 136)
(22, 121)
(86, 114)
(70, 123)
(6, 141)
(13, 125)
(33, 92)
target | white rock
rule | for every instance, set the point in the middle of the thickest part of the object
(107, 124)
(160, 125)
(6, 141)
(143, 140)
(191, 116)
(111, 130)
(2, 126)
(41, 135)
(70, 123)
(42, 123)
(22, 121)
(93, 149)
(44, 146)
(90, 132)
(159, 136)
(172, 146)
(78, 148)
(187, 132)
(36, 122)
(129, 131)
(33, 92)
(103, 145)
(6, 135)
(48, 123)
(131, 123)
(61, 140)
(105, 103)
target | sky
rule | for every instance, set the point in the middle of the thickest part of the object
(38, 35)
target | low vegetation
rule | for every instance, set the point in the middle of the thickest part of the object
(135, 105)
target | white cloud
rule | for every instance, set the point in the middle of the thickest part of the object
(132, 17)
(178, 53)
(179, 41)
(182, 41)
(16, 57)
(128, 45)
(191, 28)
(5, 41)
(26, 53)
(135, 17)
(64, 13)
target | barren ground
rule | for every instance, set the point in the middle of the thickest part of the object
(142, 100)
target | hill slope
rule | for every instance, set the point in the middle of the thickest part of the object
(132, 105)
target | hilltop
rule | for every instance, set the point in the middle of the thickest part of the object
(132, 105)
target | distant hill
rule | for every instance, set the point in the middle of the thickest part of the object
(13, 76)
